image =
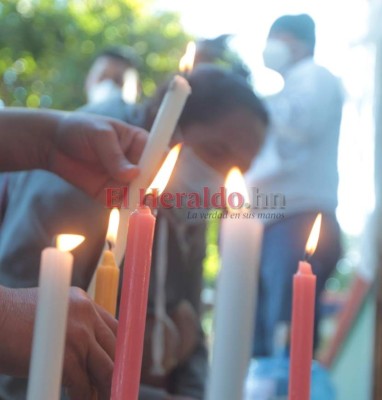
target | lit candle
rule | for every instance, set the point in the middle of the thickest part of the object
(136, 278)
(301, 352)
(186, 63)
(51, 317)
(107, 275)
(236, 296)
(158, 141)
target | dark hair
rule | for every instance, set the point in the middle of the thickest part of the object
(301, 26)
(215, 93)
(218, 51)
(125, 54)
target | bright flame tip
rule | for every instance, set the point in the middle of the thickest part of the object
(235, 183)
(164, 174)
(312, 242)
(186, 63)
(66, 242)
(112, 229)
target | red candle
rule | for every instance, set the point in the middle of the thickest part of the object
(134, 295)
(301, 353)
(133, 307)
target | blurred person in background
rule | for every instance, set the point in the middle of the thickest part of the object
(217, 132)
(217, 51)
(113, 84)
(298, 162)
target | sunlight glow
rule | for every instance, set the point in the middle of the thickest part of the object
(338, 47)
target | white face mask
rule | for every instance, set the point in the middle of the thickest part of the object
(277, 55)
(192, 175)
(103, 91)
(130, 86)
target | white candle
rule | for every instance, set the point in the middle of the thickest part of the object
(51, 317)
(152, 156)
(157, 340)
(235, 300)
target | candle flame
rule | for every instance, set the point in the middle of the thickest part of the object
(112, 230)
(235, 183)
(164, 174)
(187, 61)
(311, 244)
(68, 242)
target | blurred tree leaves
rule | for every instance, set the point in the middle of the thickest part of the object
(47, 46)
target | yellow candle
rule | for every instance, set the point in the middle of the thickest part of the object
(107, 275)
(107, 279)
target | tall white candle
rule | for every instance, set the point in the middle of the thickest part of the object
(157, 341)
(235, 301)
(152, 156)
(51, 317)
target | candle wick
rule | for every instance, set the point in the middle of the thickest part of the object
(307, 256)
(109, 244)
(145, 199)
(54, 241)
(146, 202)
(186, 73)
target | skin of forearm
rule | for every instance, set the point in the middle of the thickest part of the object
(26, 137)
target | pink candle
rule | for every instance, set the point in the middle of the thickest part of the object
(133, 307)
(301, 353)
(304, 287)
(135, 287)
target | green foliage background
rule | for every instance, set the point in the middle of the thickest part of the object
(47, 46)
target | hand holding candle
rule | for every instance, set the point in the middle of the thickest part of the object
(85, 322)
(301, 352)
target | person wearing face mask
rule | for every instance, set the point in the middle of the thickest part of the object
(299, 161)
(217, 132)
(112, 84)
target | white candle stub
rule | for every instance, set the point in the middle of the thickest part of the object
(51, 317)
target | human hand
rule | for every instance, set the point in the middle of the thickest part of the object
(90, 341)
(93, 152)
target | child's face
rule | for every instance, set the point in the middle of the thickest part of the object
(233, 140)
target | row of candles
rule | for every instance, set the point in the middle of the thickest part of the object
(240, 242)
